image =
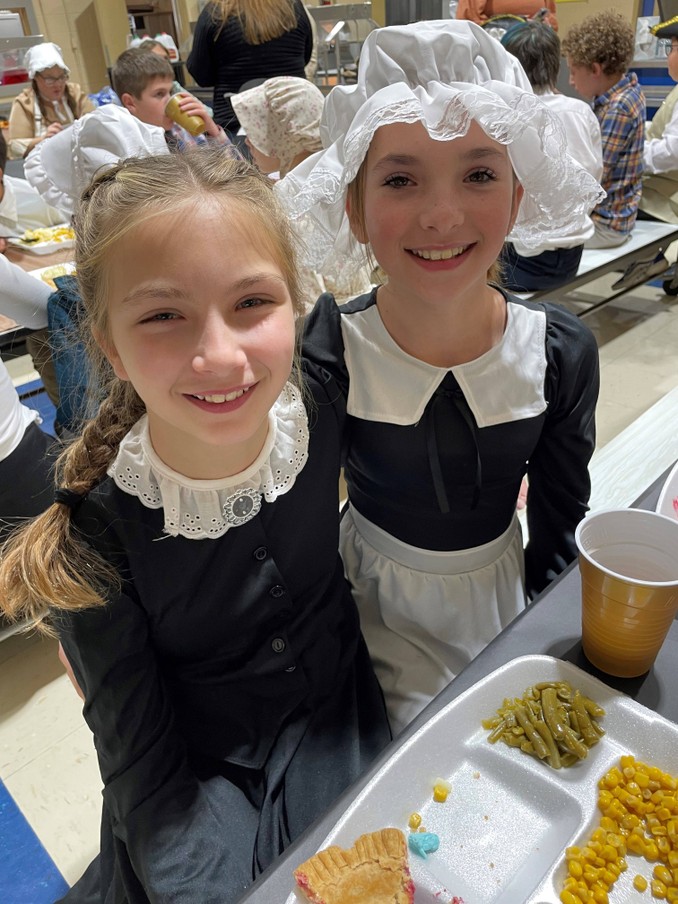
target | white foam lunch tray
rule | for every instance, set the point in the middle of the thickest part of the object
(508, 819)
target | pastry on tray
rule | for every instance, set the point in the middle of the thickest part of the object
(374, 870)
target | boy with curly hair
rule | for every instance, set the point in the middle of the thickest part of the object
(599, 51)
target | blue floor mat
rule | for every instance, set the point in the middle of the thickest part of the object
(33, 396)
(27, 872)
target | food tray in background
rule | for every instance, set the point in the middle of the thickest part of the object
(667, 503)
(54, 238)
(509, 818)
(49, 274)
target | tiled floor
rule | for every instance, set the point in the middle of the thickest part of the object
(47, 760)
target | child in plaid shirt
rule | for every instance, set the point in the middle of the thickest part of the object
(599, 51)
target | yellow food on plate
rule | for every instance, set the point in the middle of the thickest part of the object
(552, 721)
(374, 870)
(49, 274)
(47, 234)
(639, 815)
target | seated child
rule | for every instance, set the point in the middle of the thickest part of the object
(599, 51)
(281, 118)
(193, 575)
(143, 82)
(160, 50)
(659, 200)
(556, 259)
(454, 389)
(60, 169)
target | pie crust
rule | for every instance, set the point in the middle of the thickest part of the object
(374, 871)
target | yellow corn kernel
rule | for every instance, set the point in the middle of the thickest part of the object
(414, 821)
(658, 889)
(662, 873)
(639, 883)
(575, 869)
(567, 897)
(651, 851)
(441, 790)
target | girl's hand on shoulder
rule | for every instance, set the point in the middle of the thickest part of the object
(53, 129)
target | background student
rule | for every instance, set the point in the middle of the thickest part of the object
(659, 200)
(556, 260)
(599, 51)
(189, 563)
(50, 103)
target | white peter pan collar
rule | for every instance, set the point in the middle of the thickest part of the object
(199, 509)
(389, 386)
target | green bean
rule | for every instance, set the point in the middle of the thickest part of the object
(585, 727)
(551, 722)
(533, 735)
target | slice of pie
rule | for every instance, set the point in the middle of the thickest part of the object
(374, 871)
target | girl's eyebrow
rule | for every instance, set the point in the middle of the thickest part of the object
(161, 292)
(144, 293)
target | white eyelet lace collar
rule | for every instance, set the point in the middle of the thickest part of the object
(199, 509)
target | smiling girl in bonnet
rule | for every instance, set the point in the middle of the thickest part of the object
(454, 389)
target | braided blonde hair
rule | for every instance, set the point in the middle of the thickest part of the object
(46, 565)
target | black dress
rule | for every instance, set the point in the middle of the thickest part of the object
(221, 58)
(227, 686)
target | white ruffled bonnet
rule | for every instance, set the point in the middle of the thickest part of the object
(44, 56)
(61, 167)
(443, 74)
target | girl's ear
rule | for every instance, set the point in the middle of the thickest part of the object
(596, 69)
(356, 222)
(518, 192)
(112, 355)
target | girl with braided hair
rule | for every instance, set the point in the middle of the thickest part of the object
(197, 592)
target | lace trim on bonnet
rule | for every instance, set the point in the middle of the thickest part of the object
(200, 509)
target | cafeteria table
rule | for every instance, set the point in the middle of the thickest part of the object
(549, 626)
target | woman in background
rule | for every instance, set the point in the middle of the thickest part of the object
(48, 104)
(237, 41)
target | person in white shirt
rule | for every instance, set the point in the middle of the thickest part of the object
(556, 261)
(25, 461)
(659, 200)
(21, 206)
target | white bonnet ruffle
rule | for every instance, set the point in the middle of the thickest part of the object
(61, 167)
(44, 56)
(443, 74)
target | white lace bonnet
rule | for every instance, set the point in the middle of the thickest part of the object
(61, 167)
(443, 74)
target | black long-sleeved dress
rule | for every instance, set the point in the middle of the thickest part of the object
(434, 459)
(227, 686)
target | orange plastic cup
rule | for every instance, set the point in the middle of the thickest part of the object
(628, 559)
(193, 124)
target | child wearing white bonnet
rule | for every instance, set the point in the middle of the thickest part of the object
(455, 390)
(281, 118)
(50, 103)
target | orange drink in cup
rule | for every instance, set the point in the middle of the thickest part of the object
(628, 559)
(193, 124)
